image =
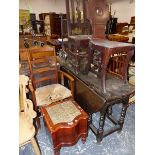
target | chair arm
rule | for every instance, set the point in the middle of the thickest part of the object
(30, 85)
(70, 78)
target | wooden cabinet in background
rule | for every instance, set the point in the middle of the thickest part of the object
(52, 23)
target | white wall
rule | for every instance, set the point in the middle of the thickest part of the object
(124, 10)
(43, 6)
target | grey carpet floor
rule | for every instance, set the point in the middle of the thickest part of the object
(122, 143)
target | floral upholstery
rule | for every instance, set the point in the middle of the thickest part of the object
(51, 93)
(64, 112)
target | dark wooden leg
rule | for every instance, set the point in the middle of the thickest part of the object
(103, 69)
(101, 126)
(83, 139)
(109, 110)
(38, 117)
(57, 151)
(123, 113)
(38, 123)
(90, 119)
(76, 67)
(90, 57)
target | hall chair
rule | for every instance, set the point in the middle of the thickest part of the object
(26, 115)
(115, 67)
(46, 81)
(116, 63)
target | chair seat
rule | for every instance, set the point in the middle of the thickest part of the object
(51, 93)
(26, 129)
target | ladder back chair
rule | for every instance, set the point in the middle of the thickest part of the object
(44, 75)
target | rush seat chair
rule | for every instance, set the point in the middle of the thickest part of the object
(46, 81)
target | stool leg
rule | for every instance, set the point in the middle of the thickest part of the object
(35, 146)
(57, 151)
(83, 138)
(38, 123)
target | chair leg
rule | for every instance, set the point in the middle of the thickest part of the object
(83, 139)
(57, 151)
(38, 123)
(35, 146)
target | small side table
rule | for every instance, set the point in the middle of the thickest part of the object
(77, 52)
(66, 122)
(107, 49)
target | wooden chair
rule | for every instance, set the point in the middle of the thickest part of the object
(26, 115)
(44, 83)
(116, 68)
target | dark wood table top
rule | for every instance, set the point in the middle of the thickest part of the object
(110, 44)
(116, 88)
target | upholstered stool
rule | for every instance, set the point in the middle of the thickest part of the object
(66, 122)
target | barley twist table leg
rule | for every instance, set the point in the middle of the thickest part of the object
(101, 125)
(109, 110)
(123, 112)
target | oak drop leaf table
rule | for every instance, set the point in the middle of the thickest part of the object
(90, 96)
